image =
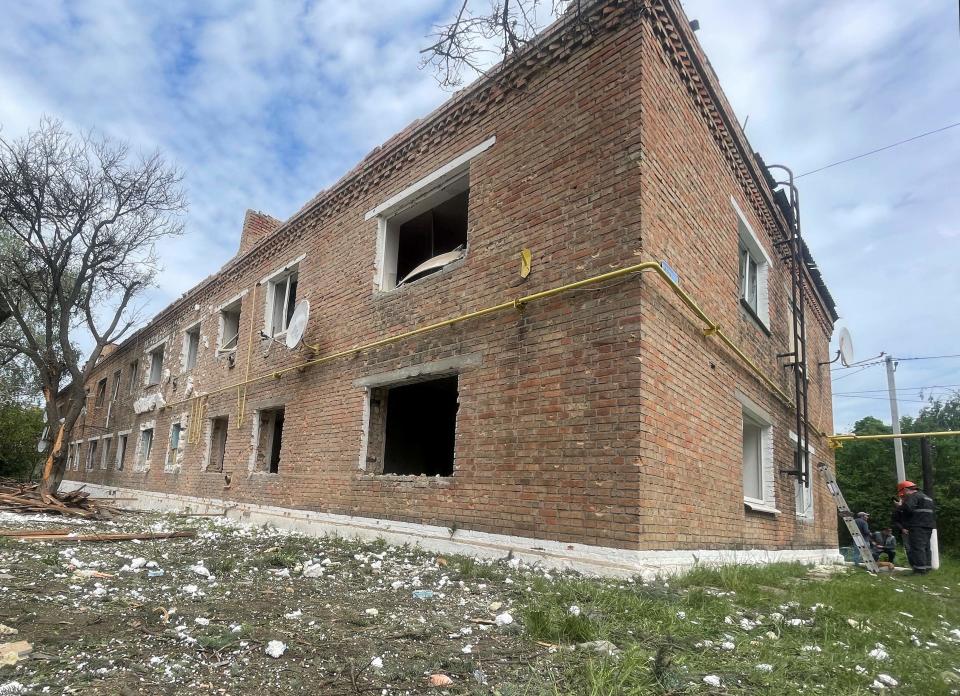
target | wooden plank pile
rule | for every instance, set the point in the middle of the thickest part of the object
(28, 498)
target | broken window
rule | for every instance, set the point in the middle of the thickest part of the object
(105, 451)
(91, 454)
(173, 447)
(156, 365)
(269, 435)
(428, 235)
(217, 447)
(146, 446)
(134, 375)
(281, 298)
(191, 346)
(70, 457)
(121, 450)
(101, 391)
(229, 327)
(412, 428)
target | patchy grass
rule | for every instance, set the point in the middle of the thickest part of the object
(181, 632)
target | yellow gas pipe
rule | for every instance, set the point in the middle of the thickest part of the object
(712, 329)
(836, 441)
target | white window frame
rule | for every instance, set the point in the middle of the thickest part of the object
(273, 282)
(804, 492)
(134, 369)
(105, 443)
(232, 306)
(750, 242)
(121, 454)
(757, 415)
(188, 334)
(169, 467)
(428, 192)
(151, 358)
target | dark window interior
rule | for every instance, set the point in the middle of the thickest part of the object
(437, 231)
(420, 427)
(275, 443)
(218, 443)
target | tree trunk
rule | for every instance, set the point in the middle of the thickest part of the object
(55, 466)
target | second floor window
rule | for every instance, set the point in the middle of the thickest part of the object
(156, 365)
(281, 298)
(101, 391)
(191, 346)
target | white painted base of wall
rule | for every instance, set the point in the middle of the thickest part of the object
(594, 560)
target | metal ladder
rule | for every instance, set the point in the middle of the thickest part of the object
(866, 555)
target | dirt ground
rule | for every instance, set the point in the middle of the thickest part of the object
(198, 615)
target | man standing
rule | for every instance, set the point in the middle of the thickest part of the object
(915, 517)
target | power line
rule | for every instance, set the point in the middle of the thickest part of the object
(929, 386)
(879, 149)
(851, 374)
(881, 398)
(930, 357)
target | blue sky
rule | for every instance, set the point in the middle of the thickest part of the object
(264, 104)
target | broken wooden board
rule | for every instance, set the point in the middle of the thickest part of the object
(11, 653)
(187, 533)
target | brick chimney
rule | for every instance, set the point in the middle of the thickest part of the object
(256, 226)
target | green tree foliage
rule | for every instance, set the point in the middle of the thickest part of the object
(20, 428)
(867, 475)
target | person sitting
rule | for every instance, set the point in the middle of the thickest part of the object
(885, 543)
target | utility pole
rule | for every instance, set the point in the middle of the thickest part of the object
(926, 465)
(895, 418)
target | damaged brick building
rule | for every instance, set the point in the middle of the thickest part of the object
(598, 426)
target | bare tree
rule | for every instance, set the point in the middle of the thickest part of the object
(474, 40)
(79, 217)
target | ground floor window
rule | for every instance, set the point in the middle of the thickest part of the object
(217, 445)
(91, 454)
(412, 428)
(269, 440)
(105, 453)
(146, 446)
(803, 490)
(757, 450)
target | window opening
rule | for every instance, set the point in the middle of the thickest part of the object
(191, 346)
(269, 440)
(229, 327)
(91, 454)
(156, 365)
(412, 428)
(218, 443)
(173, 446)
(121, 451)
(749, 278)
(101, 391)
(105, 452)
(431, 240)
(134, 375)
(284, 297)
(752, 460)
(146, 446)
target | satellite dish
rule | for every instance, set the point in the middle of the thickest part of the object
(297, 324)
(846, 347)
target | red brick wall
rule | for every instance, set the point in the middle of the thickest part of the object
(691, 460)
(593, 417)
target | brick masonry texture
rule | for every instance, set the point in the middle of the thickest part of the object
(601, 416)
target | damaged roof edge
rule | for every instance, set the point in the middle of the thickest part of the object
(419, 125)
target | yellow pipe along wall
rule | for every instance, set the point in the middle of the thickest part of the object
(712, 329)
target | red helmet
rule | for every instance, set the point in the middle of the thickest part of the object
(904, 485)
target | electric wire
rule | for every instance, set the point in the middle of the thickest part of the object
(879, 149)
(906, 389)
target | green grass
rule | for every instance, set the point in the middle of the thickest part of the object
(661, 628)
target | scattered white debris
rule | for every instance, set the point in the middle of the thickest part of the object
(603, 647)
(201, 570)
(294, 614)
(860, 670)
(712, 680)
(503, 619)
(879, 653)
(467, 649)
(377, 663)
(811, 648)
(138, 563)
(201, 621)
(764, 667)
(887, 680)
(190, 589)
(574, 610)
(13, 688)
(276, 648)
(727, 645)
(681, 614)
(372, 612)
(313, 571)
